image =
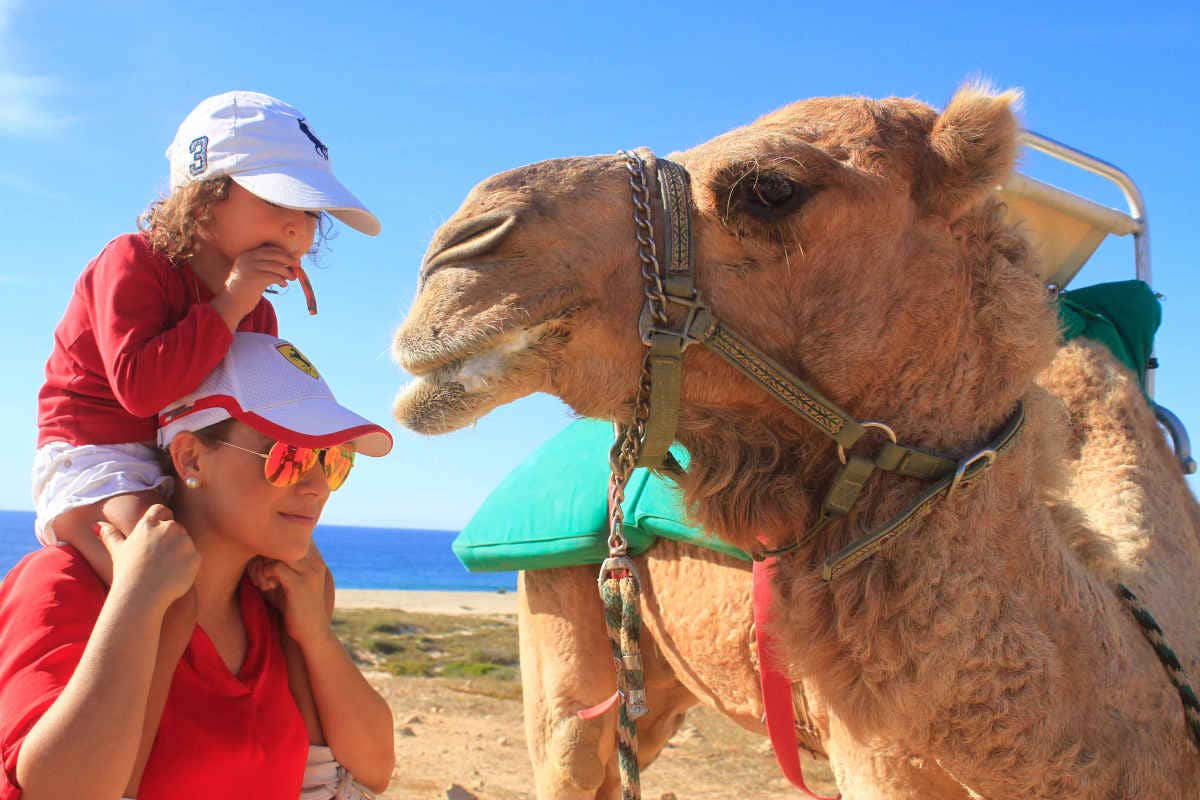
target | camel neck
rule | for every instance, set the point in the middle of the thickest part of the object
(898, 641)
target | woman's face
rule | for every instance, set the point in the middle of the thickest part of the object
(235, 497)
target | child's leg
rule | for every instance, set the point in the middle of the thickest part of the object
(75, 527)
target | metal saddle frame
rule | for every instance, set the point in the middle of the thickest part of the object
(1067, 228)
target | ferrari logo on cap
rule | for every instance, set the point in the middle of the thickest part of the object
(297, 358)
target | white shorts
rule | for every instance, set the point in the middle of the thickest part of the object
(67, 476)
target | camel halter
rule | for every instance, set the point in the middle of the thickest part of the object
(647, 441)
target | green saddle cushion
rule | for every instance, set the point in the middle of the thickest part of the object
(551, 511)
(1123, 316)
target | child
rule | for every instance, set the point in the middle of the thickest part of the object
(155, 312)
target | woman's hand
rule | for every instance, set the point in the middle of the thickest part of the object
(157, 562)
(301, 590)
(354, 720)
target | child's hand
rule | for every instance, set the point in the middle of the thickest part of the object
(158, 560)
(301, 590)
(252, 273)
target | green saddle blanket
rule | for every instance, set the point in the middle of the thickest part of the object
(551, 511)
(1123, 316)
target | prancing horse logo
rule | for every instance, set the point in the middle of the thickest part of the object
(298, 360)
(321, 149)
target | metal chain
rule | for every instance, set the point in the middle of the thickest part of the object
(628, 445)
(647, 252)
(621, 460)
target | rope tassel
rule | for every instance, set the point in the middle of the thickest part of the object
(621, 594)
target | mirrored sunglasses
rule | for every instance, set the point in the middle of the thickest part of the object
(286, 463)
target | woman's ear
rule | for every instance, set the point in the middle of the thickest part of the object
(185, 451)
(972, 149)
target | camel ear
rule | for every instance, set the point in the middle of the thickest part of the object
(973, 147)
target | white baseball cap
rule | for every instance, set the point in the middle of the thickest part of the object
(268, 384)
(269, 148)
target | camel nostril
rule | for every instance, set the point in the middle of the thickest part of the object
(471, 238)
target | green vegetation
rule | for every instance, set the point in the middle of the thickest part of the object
(480, 651)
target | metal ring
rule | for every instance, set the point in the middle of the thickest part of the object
(965, 464)
(879, 426)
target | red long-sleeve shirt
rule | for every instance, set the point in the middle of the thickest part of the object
(138, 333)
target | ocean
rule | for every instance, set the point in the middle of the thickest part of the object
(360, 558)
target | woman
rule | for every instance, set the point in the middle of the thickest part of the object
(256, 450)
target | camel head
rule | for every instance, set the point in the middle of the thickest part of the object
(855, 241)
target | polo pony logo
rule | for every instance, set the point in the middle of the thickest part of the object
(298, 360)
(318, 145)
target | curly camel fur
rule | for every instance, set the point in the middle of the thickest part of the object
(856, 241)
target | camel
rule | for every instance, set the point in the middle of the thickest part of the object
(856, 242)
(699, 648)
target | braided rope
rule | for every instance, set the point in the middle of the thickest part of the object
(622, 618)
(1170, 661)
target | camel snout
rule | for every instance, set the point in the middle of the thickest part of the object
(460, 240)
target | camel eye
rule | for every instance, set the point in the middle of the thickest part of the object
(759, 195)
(772, 191)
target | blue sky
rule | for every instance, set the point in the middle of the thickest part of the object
(418, 105)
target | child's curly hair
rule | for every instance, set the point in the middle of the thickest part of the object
(172, 223)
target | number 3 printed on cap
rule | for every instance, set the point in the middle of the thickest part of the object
(199, 150)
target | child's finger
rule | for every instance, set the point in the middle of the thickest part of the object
(275, 257)
(110, 535)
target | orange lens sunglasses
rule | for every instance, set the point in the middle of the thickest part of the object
(286, 463)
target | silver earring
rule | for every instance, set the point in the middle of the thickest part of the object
(192, 482)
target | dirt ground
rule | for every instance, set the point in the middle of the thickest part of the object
(453, 687)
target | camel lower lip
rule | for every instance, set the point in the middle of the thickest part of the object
(479, 357)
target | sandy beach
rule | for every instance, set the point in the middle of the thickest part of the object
(447, 663)
(445, 603)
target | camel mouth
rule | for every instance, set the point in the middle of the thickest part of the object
(475, 369)
(422, 360)
(453, 393)
(423, 352)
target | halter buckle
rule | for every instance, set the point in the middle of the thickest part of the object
(696, 309)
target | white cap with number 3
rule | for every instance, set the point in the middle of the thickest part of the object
(270, 149)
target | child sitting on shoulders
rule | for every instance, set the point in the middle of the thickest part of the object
(155, 311)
